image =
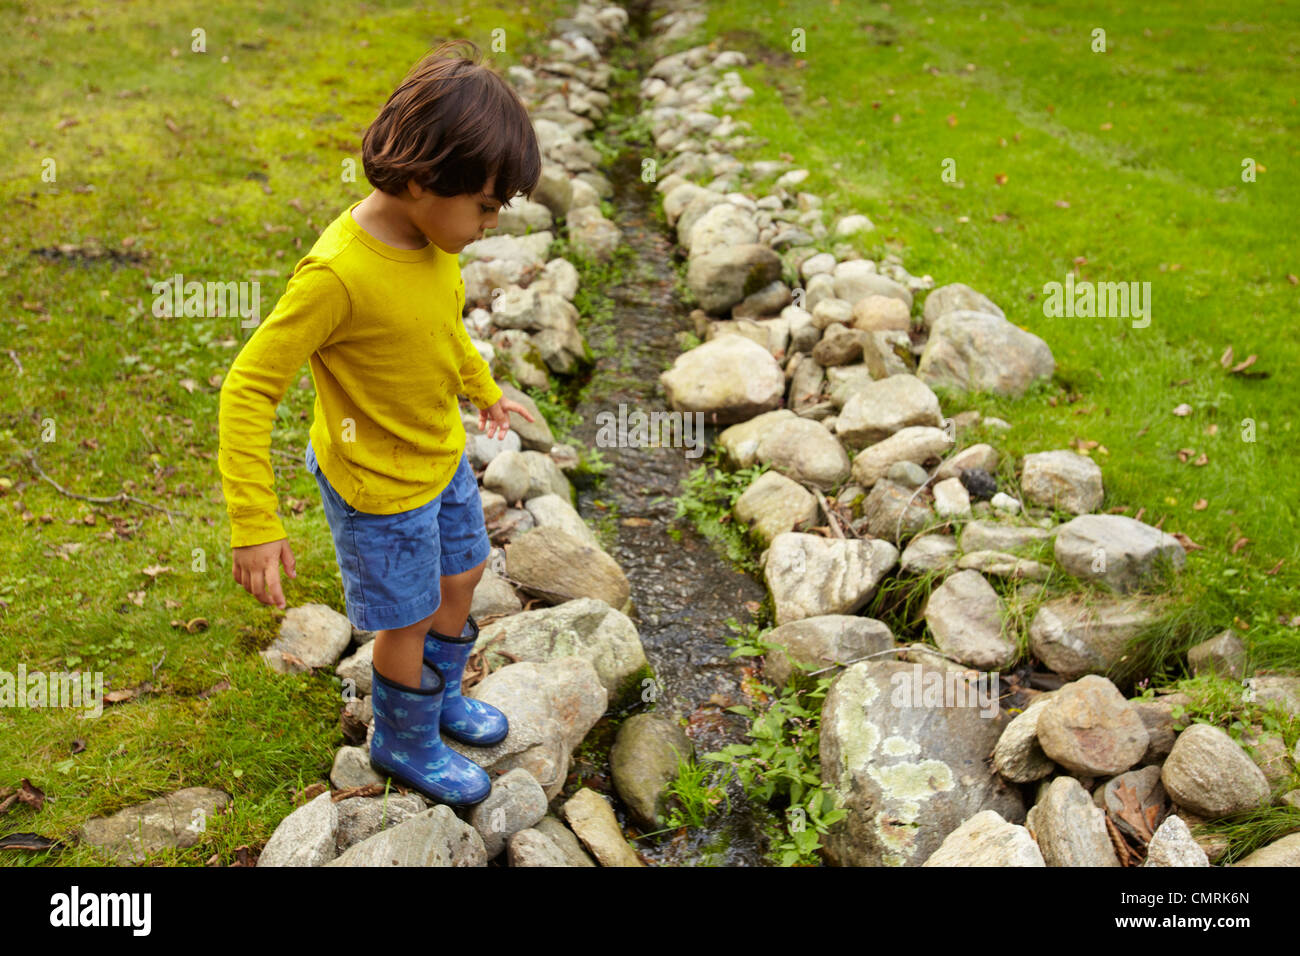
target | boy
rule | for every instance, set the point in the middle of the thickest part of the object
(376, 308)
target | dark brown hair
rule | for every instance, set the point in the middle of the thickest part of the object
(450, 125)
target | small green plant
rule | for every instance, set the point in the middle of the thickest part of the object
(697, 792)
(708, 495)
(782, 764)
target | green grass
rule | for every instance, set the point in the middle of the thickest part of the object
(883, 95)
(238, 190)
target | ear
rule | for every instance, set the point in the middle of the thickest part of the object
(414, 190)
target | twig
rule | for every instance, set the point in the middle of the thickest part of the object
(830, 518)
(14, 355)
(122, 496)
(154, 672)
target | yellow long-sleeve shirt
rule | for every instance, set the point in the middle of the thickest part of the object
(382, 330)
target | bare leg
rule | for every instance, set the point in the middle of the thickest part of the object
(457, 596)
(399, 653)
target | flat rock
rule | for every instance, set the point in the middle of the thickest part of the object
(555, 565)
(311, 635)
(592, 819)
(884, 407)
(823, 642)
(1115, 550)
(930, 552)
(917, 444)
(810, 576)
(1062, 479)
(965, 615)
(1085, 633)
(435, 837)
(360, 818)
(773, 504)
(175, 820)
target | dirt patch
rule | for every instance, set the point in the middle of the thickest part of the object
(88, 253)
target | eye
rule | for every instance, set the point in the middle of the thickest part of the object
(486, 208)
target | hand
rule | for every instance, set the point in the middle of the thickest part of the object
(257, 569)
(495, 419)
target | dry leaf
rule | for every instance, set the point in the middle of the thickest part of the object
(1000, 179)
(31, 794)
(1183, 410)
(1226, 358)
(1244, 364)
(136, 598)
(1239, 544)
(154, 570)
(1201, 504)
(189, 385)
(1187, 543)
(119, 696)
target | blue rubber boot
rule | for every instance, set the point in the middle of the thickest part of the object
(406, 745)
(464, 719)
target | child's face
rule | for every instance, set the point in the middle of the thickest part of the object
(453, 222)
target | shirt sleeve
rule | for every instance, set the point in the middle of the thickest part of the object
(315, 304)
(475, 374)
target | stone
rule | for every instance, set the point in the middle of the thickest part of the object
(773, 504)
(176, 820)
(535, 435)
(804, 451)
(592, 235)
(810, 576)
(1017, 755)
(956, 298)
(1173, 845)
(1090, 729)
(915, 443)
(965, 615)
(523, 216)
(982, 535)
(930, 552)
(769, 300)
(839, 345)
(1069, 828)
(545, 477)
(1001, 501)
(722, 226)
(883, 408)
(311, 635)
(893, 512)
(908, 474)
(550, 707)
(980, 456)
(1115, 550)
(951, 500)
(494, 596)
(352, 768)
(554, 565)
(998, 564)
(832, 311)
(881, 313)
(974, 351)
(740, 441)
(909, 770)
(1157, 714)
(1283, 852)
(534, 848)
(806, 383)
(823, 642)
(723, 277)
(357, 668)
(482, 450)
(851, 225)
(643, 761)
(987, 840)
(360, 818)
(552, 511)
(1083, 633)
(562, 837)
(507, 475)
(435, 837)
(1210, 774)
(856, 279)
(592, 819)
(1141, 787)
(1223, 654)
(730, 379)
(515, 803)
(586, 628)
(1064, 480)
(554, 189)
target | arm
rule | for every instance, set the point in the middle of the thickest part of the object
(314, 305)
(475, 374)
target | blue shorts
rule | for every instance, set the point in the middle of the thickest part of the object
(391, 564)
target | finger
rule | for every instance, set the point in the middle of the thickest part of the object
(273, 585)
(286, 556)
(254, 585)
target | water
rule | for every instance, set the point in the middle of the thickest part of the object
(683, 590)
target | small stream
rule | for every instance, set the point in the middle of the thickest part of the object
(683, 590)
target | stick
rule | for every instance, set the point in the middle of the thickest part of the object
(826, 508)
(121, 496)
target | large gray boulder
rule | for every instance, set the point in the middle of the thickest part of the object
(1091, 730)
(1084, 633)
(554, 565)
(435, 837)
(306, 837)
(976, 351)
(809, 575)
(643, 761)
(723, 277)
(908, 770)
(1210, 774)
(586, 628)
(824, 641)
(729, 379)
(1069, 828)
(1115, 550)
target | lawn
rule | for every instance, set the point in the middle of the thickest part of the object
(1123, 165)
(223, 166)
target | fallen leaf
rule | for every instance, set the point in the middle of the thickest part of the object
(136, 598)
(1183, 410)
(189, 385)
(1062, 204)
(8, 802)
(1239, 544)
(952, 119)
(1275, 568)
(119, 696)
(28, 841)
(1000, 179)
(171, 125)
(1226, 358)
(1211, 429)
(31, 794)
(1244, 364)
(636, 522)
(1201, 504)
(1106, 126)
(1187, 543)
(78, 745)
(1201, 459)
(154, 570)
